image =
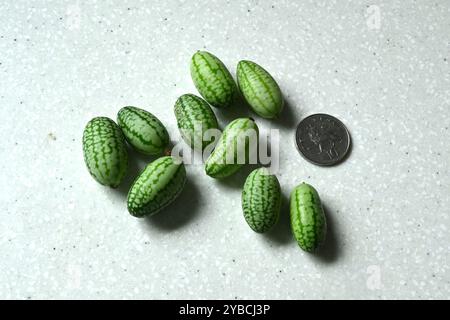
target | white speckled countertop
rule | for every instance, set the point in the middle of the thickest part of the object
(382, 67)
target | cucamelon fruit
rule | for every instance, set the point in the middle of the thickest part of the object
(156, 187)
(212, 79)
(261, 200)
(143, 130)
(194, 117)
(259, 89)
(233, 148)
(104, 151)
(308, 220)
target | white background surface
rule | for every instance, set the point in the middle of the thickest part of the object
(64, 236)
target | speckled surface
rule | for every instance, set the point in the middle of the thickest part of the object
(388, 79)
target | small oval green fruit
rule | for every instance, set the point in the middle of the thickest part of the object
(237, 143)
(259, 89)
(104, 151)
(212, 79)
(194, 117)
(156, 187)
(143, 130)
(308, 220)
(261, 200)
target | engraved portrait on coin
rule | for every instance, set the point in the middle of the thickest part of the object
(322, 139)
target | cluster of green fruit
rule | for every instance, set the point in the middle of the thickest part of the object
(162, 180)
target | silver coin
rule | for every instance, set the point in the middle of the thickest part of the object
(322, 139)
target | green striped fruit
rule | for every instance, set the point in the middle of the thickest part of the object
(261, 200)
(212, 79)
(194, 117)
(259, 89)
(143, 130)
(104, 151)
(307, 217)
(156, 187)
(238, 140)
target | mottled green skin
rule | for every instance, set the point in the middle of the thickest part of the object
(143, 130)
(261, 200)
(259, 89)
(308, 221)
(104, 151)
(212, 79)
(194, 117)
(218, 164)
(156, 187)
